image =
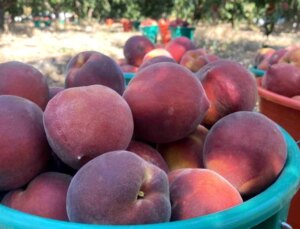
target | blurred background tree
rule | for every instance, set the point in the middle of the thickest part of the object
(262, 12)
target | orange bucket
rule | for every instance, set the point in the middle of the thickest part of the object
(286, 112)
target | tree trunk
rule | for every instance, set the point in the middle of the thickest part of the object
(1, 19)
(90, 13)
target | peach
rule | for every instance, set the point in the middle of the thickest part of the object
(296, 97)
(197, 192)
(128, 68)
(24, 148)
(229, 86)
(167, 102)
(246, 148)
(148, 153)
(23, 80)
(196, 59)
(135, 48)
(283, 79)
(262, 58)
(292, 56)
(44, 196)
(91, 67)
(186, 152)
(53, 91)
(178, 46)
(155, 53)
(84, 122)
(277, 55)
(122, 188)
(155, 60)
(57, 165)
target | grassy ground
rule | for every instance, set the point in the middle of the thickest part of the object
(50, 49)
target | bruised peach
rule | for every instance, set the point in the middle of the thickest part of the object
(167, 102)
(246, 148)
(84, 122)
(119, 187)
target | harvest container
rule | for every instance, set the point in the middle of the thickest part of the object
(281, 109)
(128, 76)
(151, 32)
(257, 72)
(286, 112)
(182, 31)
(268, 210)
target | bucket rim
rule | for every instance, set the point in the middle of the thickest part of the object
(254, 210)
(276, 98)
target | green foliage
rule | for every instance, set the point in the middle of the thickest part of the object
(232, 11)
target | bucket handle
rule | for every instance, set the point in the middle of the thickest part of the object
(285, 225)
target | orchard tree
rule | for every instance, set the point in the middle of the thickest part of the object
(4, 5)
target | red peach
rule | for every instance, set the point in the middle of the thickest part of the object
(135, 48)
(199, 192)
(23, 80)
(167, 102)
(246, 148)
(178, 46)
(148, 153)
(44, 196)
(91, 67)
(186, 152)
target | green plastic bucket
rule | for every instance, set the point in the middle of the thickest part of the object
(150, 32)
(136, 25)
(268, 210)
(182, 31)
(128, 76)
(257, 72)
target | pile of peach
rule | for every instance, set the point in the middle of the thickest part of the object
(282, 68)
(180, 141)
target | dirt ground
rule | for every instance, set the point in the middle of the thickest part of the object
(50, 49)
